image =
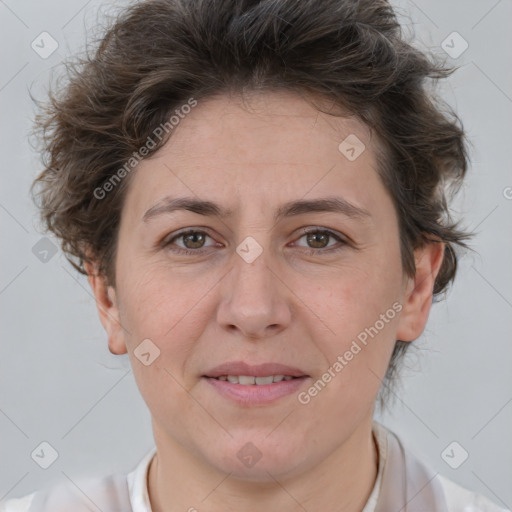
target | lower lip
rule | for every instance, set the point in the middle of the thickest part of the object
(255, 394)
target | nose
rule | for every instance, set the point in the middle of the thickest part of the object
(254, 299)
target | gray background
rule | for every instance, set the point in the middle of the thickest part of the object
(60, 384)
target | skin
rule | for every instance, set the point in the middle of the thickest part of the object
(287, 306)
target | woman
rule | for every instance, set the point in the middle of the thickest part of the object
(255, 190)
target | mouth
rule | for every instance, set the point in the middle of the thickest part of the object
(250, 380)
(246, 371)
(251, 385)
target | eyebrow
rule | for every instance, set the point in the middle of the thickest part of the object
(290, 209)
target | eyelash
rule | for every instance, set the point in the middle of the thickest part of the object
(304, 232)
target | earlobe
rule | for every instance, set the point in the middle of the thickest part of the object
(419, 291)
(108, 310)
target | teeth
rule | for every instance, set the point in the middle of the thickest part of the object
(249, 380)
(245, 380)
(264, 380)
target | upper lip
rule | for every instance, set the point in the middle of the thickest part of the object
(259, 370)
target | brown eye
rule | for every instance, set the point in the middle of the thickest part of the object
(318, 241)
(190, 242)
(193, 240)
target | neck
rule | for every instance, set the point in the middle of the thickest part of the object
(179, 481)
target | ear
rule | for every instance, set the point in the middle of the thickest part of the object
(419, 291)
(108, 310)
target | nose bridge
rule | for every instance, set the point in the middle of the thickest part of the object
(252, 297)
(251, 271)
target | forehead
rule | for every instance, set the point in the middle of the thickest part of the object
(266, 147)
(281, 125)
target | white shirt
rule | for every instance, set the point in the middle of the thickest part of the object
(403, 483)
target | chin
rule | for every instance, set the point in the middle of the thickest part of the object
(258, 458)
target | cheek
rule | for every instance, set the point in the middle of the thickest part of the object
(156, 300)
(360, 306)
(171, 310)
(354, 296)
(168, 313)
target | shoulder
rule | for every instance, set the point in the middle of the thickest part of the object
(460, 499)
(407, 475)
(107, 494)
(18, 504)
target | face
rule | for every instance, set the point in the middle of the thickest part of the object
(317, 287)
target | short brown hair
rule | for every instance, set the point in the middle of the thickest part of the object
(157, 54)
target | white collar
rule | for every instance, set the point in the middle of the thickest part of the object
(138, 484)
(380, 435)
